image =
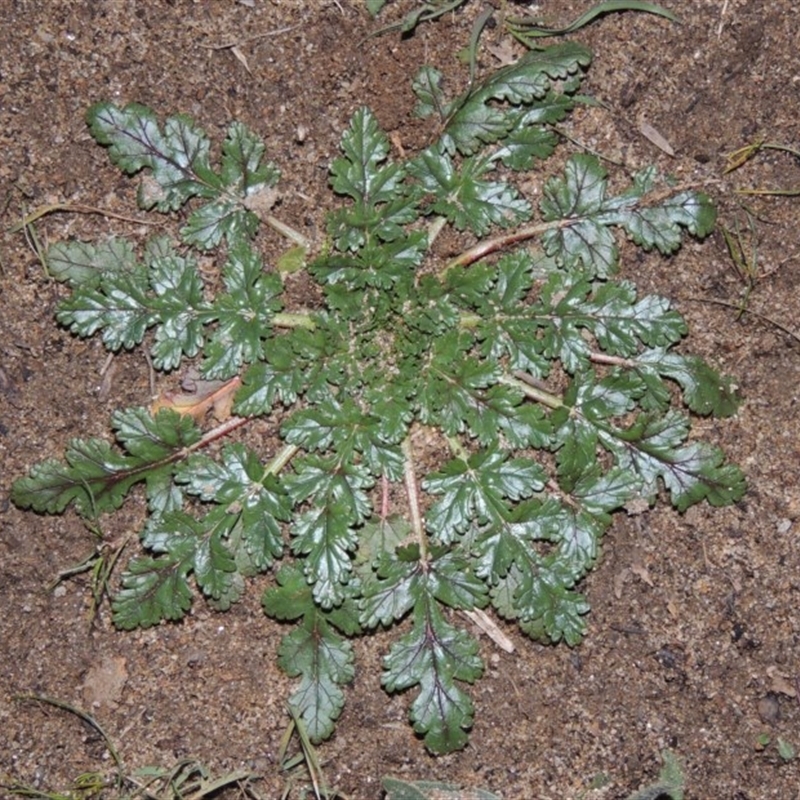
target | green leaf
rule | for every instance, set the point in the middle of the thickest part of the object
(660, 225)
(579, 198)
(477, 121)
(243, 313)
(691, 472)
(457, 393)
(324, 661)
(539, 596)
(452, 582)
(463, 198)
(561, 619)
(179, 298)
(313, 651)
(153, 438)
(97, 478)
(245, 184)
(381, 208)
(322, 478)
(374, 6)
(379, 537)
(579, 201)
(254, 501)
(167, 294)
(435, 656)
(178, 158)
(244, 172)
(156, 589)
(93, 476)
(324, 537)
(153, 589)
(704, 389)
(279, 378)
(530, 140)
(85, 264)
(570, 308)
(427, 86)
(391, 593)
(120, 308)
(477, 490)
(214, 569)
(175, 156)
(291, 597)
(351, 432)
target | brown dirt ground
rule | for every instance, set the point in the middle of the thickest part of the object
(693, 637)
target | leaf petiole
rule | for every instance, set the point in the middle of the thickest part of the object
(281, 459)
(293, 320)
(532, 390)
(488, 246)
(410, 480)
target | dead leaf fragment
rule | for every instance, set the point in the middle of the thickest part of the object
(105, 681)
(649, 132)
(781, 683)
(620, 579)
(504, 52)
(202, 397)
(640, 570)
(261, 201)
(240, 57)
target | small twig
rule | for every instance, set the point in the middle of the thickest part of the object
(286, 230)
(87, 718)
(480, 618)
(216, 433)
(75, 209)
(611, 361)
(283, 319)
(762, 317)
(249, 39)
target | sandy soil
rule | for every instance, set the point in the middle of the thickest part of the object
(693, 636)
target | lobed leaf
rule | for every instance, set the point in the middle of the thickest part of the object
(477, 490)
(705, 391)
(434, 655)
(243, 313)
(691, 472)
(473, 121)
(463, 198)
(313, 651)
(381, 207)
(177, 157)
(84, 264)
(97, 478)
